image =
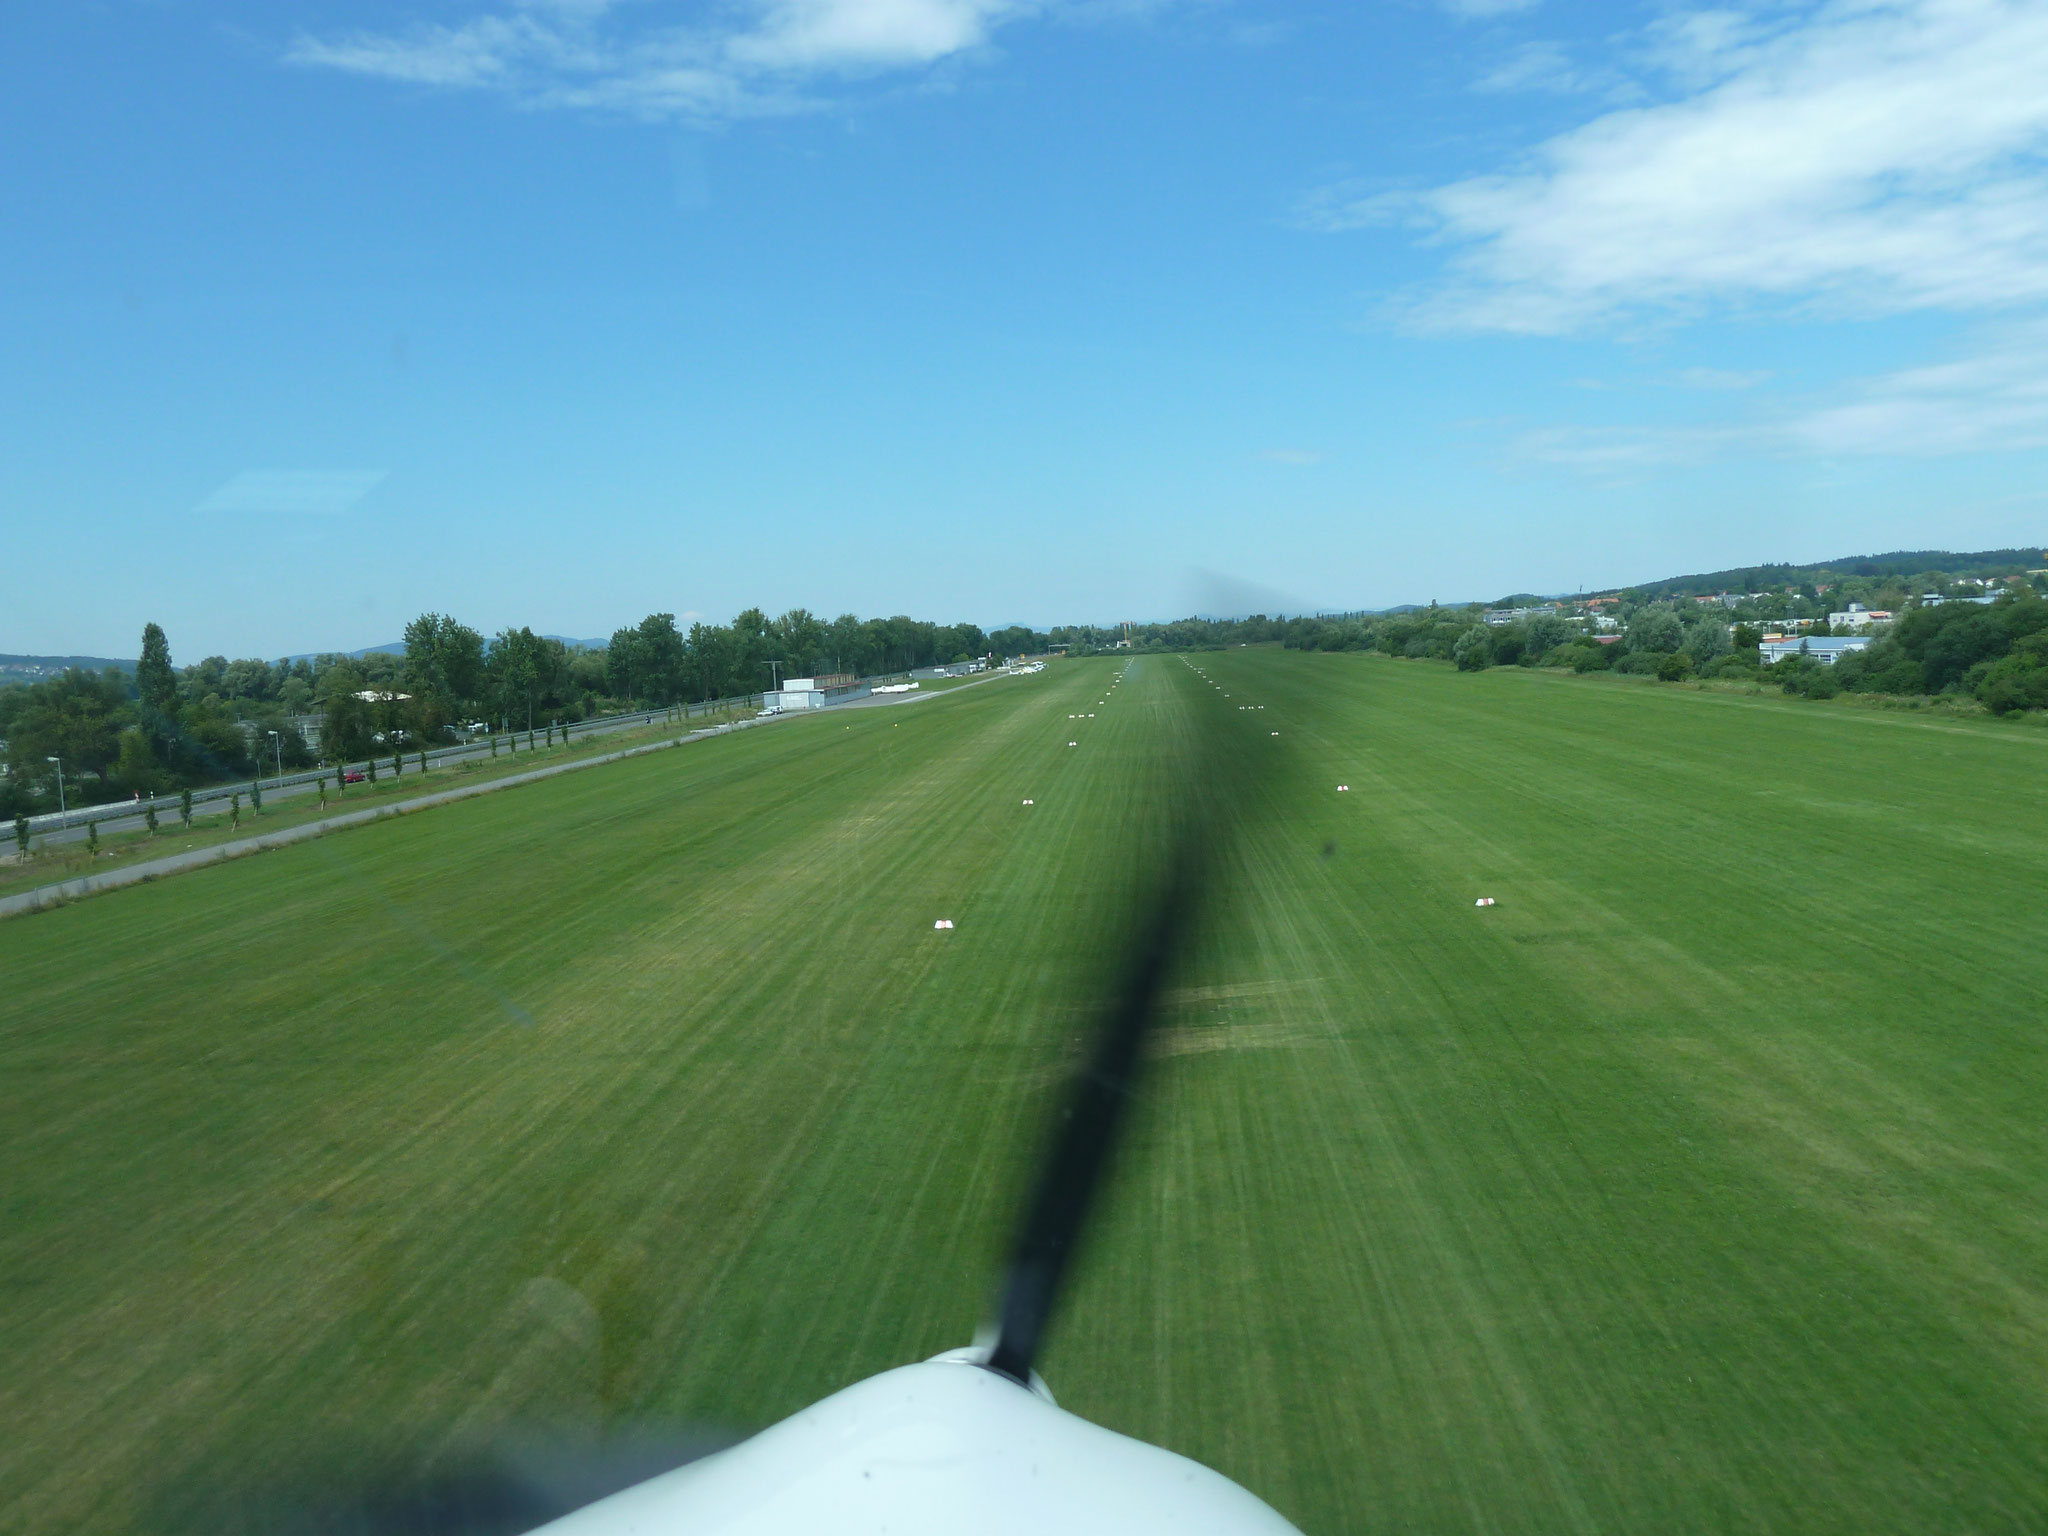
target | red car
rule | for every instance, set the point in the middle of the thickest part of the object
(352, 776)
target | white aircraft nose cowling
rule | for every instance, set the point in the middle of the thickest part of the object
(938, 1449)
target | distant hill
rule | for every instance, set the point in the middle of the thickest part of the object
(33, 669)
(1900, 562)
(1382, 613)
(397, 648)
(36, 669)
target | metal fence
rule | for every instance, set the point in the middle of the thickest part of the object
(169, 805)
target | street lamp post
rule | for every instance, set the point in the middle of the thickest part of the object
(62, 814)
(279, 743)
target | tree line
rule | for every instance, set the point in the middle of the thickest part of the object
(165, 727)
(1994, 652)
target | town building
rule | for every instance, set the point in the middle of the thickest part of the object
(1826, 650)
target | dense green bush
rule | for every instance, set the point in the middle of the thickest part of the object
(1804, 677)
(2018, 680)
(1993, 652)
(1705, 642)
(1674, 668)
(1658, 631)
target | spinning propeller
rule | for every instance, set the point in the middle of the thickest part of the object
(970, 1441)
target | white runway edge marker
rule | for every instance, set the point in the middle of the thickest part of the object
(1484, 901)
(1073, 743)
(1027, 802)
(1343, 789)
(944, 922)
(1276, 733)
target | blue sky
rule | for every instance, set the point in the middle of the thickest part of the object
(562, 311)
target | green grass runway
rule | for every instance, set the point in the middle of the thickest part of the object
(1700, 1185)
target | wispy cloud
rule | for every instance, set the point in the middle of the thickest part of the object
(1541, 65)
(1871, 156)
(1993, 397)
(1723, 378)
(1485, 10)
(1533, 66)
(749, 58)
(863, 34)
(486, 51)
(1616, 450)
(293, 492)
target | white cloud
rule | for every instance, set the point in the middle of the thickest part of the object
(1996, 399)
(1993, 398)
(481, 52)
(1538, 66)
(1355, 204)
(1870, 156)
(293, 492)
(1615, 450)
(754, 57)
(840, 34)
(1546, 66)
(1481, 10)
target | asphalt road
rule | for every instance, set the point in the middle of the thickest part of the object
(71, 889)
(135, 822)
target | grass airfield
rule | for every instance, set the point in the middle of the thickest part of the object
(1700, 1185)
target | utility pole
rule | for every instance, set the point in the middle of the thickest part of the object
(278, 742)
(61, 812)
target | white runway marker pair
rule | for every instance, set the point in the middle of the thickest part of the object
(1343, 789)
(944, 922)
(1484, 901)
